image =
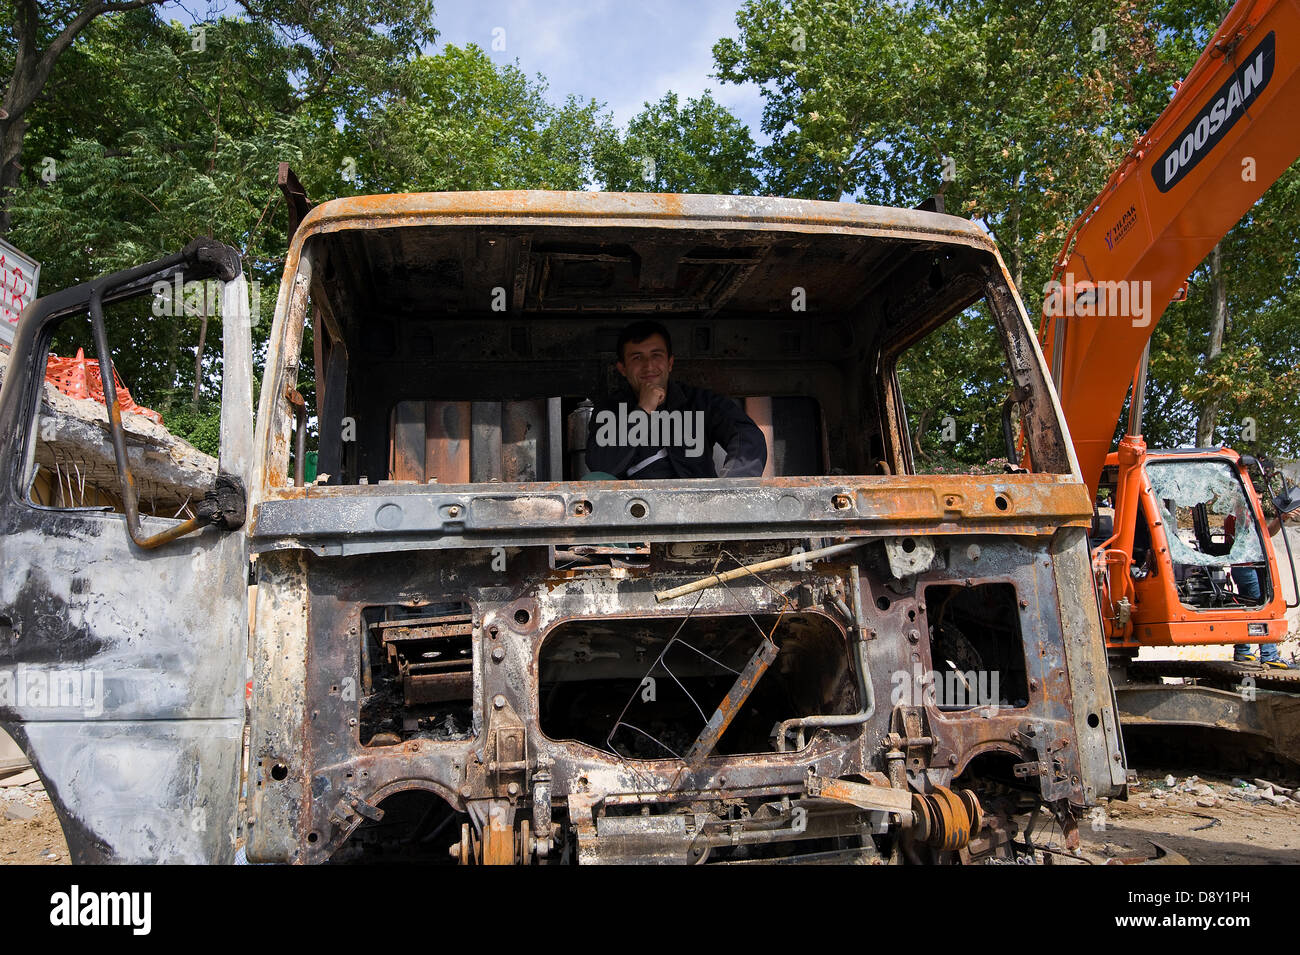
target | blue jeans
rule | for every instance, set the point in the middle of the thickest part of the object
(1247, 581)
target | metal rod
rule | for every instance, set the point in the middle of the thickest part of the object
(1139, 393)
(130, 501)
(775, 564)
(733, 701)
(865, 685)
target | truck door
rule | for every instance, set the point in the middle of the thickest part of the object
(123, 635)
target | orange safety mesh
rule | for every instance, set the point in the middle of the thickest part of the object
(79, 377)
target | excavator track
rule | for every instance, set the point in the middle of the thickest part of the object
(1223, 674)
(1234, 716)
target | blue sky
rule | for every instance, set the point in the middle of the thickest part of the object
(619, 52)
(622, 53)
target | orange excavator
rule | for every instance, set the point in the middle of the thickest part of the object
(1185, 558)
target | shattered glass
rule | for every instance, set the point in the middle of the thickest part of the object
(1179, 487)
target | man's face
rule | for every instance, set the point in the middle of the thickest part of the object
(646, 363)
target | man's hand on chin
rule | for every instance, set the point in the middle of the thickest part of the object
(651, 397)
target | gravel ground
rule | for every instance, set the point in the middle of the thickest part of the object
(37, 840)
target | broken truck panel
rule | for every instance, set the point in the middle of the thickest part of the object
(471, 662)
(121, 670)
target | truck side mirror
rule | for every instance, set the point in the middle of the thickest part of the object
(1288, 502)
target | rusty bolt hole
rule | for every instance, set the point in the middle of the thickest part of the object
(882, 602)
(909, 545)
(1093, 720)
(637, 509)
(522, 617)
(279, 771)
(313, 837)
(582, 508)
(1001, 502)
(841, 502)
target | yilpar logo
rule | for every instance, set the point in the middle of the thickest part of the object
(76, 908)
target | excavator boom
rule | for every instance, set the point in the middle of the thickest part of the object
(1230, 131)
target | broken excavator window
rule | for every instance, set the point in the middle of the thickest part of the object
(977, 652)
(644, 688)
(71, 463)
(955, 423)
(1214, 540)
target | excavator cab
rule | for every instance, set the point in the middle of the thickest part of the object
(1202, 567)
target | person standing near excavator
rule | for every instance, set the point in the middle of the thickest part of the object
(1247, 580)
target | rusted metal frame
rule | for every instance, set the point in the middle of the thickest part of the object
(338, 520)
(295, 398)
(523, 267)
(130, 501)
(874, 797)
(275, 414)
(451, 625)
(330, 461)
(582, 209)
(733, 284)
(567, 766)
(295, 196)
(1043, 438)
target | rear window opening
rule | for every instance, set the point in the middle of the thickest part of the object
(644, 688)
(977, 651)
(545, 439)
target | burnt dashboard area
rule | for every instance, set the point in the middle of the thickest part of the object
(569, 712)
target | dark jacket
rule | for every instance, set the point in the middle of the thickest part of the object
(615, 446)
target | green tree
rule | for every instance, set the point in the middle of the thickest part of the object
(1017, 112)
(159, 144)
(342, 47)
(699, 147)
(457, 121)
(154, 142)
(996, 105)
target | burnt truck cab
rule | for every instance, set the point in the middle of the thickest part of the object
(464, 650)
